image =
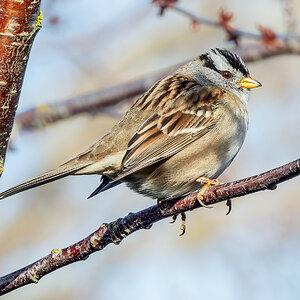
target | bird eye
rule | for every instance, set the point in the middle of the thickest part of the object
(226, 74)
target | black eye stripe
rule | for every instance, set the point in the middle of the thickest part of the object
(208, 62)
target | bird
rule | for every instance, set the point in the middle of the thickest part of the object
(177, 137)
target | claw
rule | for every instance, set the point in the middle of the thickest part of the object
(182, 226)
(174, 218)
(228, 203)
(200, 200)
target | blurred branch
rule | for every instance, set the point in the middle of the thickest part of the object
(224, 22)
(256, 53)
(116, 231)
(102, 100)
(19, 23)
(41, 116)
(271, 44)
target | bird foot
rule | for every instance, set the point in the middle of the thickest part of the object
(182, 226)
(206, 183)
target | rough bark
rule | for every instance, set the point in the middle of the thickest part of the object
(19, 23)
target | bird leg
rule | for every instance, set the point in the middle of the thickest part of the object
(206, 183)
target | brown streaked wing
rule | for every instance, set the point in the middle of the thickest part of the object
(169, 87)
(172, 129)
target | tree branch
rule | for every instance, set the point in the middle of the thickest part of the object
(116, 231)
(223, 22)
(19, 23)
(271, 44)
(42, 116)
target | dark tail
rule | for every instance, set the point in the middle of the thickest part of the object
(52, 175)
(105, 184)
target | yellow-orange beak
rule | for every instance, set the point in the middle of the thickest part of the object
(249, 83)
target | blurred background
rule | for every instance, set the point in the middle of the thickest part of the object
(85, 45)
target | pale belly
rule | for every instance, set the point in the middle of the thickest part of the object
(176, 176)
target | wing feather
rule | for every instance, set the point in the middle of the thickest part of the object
(186, 119)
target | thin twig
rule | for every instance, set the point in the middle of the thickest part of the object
(236, 32)
(116, 231)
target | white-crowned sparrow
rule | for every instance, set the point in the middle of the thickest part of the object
(187, 125)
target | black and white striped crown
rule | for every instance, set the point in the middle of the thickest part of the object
(233, 59)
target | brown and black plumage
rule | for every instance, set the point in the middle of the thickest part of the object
(187, 125)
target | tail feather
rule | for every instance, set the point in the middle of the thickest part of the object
(47, 177)
(105, 184)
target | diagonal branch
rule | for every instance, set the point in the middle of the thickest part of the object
(42, 116)
(116, 231)
(271, 44)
